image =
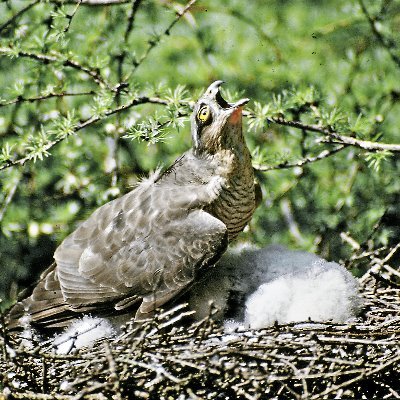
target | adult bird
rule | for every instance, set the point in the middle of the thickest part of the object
(140, 251)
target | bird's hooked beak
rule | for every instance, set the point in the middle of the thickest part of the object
(216, 123)
(214, 94)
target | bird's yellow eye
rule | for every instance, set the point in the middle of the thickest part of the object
(204, 114)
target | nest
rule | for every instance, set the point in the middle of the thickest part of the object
(166, 358)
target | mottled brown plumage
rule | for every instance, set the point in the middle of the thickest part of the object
(143, 249)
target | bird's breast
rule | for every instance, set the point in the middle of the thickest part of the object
(236, 203)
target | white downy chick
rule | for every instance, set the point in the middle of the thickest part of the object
(256, 287)
(321, 292)
(83, 332)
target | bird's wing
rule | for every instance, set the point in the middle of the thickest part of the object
(146, 245)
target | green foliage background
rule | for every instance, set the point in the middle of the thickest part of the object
(77, 127)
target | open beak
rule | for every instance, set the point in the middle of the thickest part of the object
(240, 103)
(214, 93)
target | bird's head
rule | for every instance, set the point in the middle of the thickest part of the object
(216, 124)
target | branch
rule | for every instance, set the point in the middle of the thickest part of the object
(10, 196)
(46, 58)
(88, 122)
(50, 95)
(18, 14)
(362, 144)
(335, 137)
(71, 16)
(94, 2)
(300, 163)
(253, 24)
(114, 380)
(113, 146)
(391, 362)
(388, 45)
(131, 19)
(154, 43)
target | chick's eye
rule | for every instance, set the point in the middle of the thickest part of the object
(204, 114)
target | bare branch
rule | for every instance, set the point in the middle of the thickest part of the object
(351, 241)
